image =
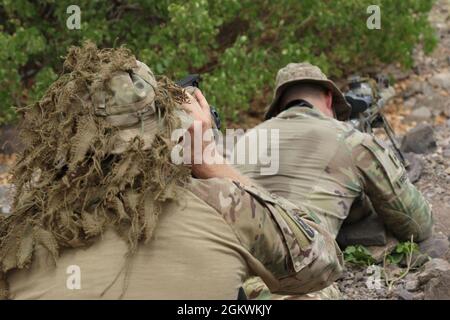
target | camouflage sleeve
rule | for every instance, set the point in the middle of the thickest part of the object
(292, 254)
(397, 201)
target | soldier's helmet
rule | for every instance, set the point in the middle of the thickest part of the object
(306, 73)
(128, 103)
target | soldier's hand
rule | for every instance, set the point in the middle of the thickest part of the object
(200, 133)
(198, 107)
(215, 166)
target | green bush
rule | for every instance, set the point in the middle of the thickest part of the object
(238, 45)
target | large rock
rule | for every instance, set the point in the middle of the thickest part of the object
(438, 288)
(433, 269)
(436, 246)
(419, 140)
(415, 166)
(368, 232)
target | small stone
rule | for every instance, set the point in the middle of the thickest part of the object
(427, 90)
(412, 285)
(413, 89)
(418, 296)
(419, 140)
(410, 103)
(446, 153)
(447, 171)
(441, 80)
(422, 113)
(350, 275)
(359, 276)
(405, 295)
(433, 269)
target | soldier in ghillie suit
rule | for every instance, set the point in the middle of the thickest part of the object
(96, 189)
(330, 168)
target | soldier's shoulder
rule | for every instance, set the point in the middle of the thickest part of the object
(219, 193)
(211, 186)
(350, 136)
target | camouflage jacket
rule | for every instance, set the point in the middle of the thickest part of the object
(283, 245)
(326, 166)
(205, 245)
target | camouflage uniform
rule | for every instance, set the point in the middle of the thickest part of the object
(205, 244)
(326, 166)
(204, 247)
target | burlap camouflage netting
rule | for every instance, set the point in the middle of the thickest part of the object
(69, 187)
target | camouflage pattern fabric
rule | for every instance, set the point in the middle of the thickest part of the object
(210, 240)
(256, 289)
(326, 166)
(290, 252)
(113, 206)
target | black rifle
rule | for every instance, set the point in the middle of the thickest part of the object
(193, 80)
(367, 98)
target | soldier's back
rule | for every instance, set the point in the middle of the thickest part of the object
(316, 168)
(193, 255)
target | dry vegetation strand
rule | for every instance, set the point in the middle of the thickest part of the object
(69, 187)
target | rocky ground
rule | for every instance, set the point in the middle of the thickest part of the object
(420, 112)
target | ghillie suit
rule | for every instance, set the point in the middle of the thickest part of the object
(97, 155)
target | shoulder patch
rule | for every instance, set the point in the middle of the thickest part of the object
(389, 163)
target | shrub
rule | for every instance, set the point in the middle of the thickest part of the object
(238, 45)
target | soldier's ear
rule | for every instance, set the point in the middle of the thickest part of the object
(329, 102)
(329, 99)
